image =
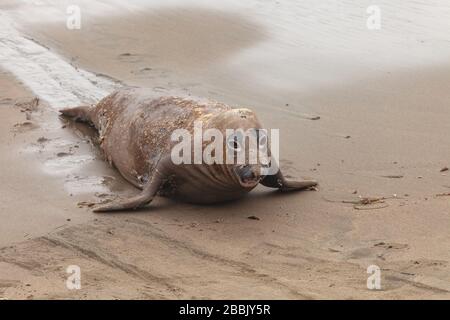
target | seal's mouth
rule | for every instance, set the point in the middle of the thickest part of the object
(248, 178)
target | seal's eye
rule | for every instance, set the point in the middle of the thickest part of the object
(262, 141)
(234, 144)
(235, 141)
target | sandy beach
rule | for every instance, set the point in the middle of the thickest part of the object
(363, 112)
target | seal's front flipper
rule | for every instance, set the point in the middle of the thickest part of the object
(297, 185)
(279, 181)
(141, 200)
(82, 114)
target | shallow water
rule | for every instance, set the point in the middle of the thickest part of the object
(49, 76)
(284, 45)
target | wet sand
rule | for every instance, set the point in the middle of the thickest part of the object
(382, 134)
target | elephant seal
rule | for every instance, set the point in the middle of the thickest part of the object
(135, 129)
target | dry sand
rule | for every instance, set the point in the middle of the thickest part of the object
(382, 135)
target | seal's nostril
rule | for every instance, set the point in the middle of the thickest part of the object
(247, 173)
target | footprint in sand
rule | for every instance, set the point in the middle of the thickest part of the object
(24, 126)
(379, 250)
(129, 57)
(394, 246)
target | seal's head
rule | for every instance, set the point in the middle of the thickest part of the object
(244, 148)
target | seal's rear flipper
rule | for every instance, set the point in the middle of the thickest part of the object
(141, 200)
(129, 204)
(82, 114)
(278, 181)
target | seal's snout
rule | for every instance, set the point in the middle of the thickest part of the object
(248, 175)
